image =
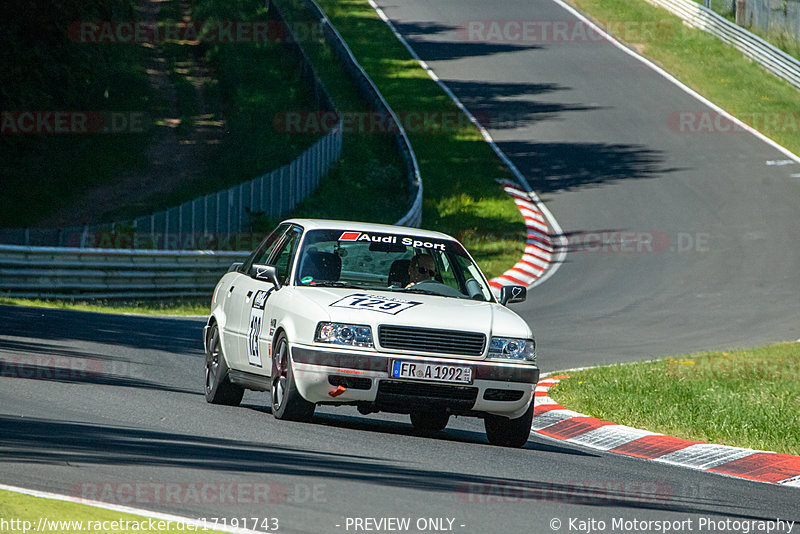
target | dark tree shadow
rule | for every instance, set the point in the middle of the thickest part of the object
(46, 441)
(503, 106)
(553, 167)
(466, 44)
(175, 335)
(447, 50)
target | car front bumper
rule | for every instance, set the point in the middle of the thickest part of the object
(356, 377)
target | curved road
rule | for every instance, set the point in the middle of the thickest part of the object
(598, 136)
(100, 405)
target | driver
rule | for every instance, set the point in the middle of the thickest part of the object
(421, 268)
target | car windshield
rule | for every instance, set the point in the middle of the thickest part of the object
(389, 262)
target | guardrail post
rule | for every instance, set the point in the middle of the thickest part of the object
(741, 12)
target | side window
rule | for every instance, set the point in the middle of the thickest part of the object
(446, 272)
(283, 258)
(261, 254)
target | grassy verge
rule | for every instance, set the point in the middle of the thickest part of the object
(181, 306)
(458, 168)
(713, 69)
(744, 398)
(369, 182)
(23, 513)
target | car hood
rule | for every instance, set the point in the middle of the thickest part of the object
(413, 309)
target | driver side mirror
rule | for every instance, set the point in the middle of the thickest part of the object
(512, 294)
(265, 273)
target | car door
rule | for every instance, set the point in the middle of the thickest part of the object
(258, 335)
(236, 295)
(233, 296)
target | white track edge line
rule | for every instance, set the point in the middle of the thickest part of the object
(126, 510)
(614, 41)
(562, 252)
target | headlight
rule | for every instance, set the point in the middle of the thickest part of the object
(344, 334)
(512, 349)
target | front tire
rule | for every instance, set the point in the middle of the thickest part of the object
(506, 432)
(219, 388)
(430, 420)
(287, 403)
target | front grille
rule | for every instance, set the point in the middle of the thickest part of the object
(506, 395)
(431, 340)
(401, 396)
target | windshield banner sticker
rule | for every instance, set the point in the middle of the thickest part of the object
(362, 301)
(415, 242)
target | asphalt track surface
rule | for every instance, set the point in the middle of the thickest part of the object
(591, 135)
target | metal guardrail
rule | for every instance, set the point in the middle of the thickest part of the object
(774, 60)
(772, 16)
(54, 272)
(272, 194)
(369, 90)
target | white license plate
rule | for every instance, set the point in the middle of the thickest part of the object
(436, 372)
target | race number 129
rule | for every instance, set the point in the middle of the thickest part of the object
(363, 301)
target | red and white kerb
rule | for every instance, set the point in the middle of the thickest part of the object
(538, 247)
(554, 421)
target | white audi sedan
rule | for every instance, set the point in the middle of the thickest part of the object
(384, 318)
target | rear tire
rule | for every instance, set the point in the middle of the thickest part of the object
(506, 432)
(430, 420)
(219, 388)
(287, 403)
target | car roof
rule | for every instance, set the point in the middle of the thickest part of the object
(353, 226)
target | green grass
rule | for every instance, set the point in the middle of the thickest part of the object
(781, 39)
(179, 306)
(369, 182)
(744, 398)
(459, 170)
(713, 69)
(16, 509)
